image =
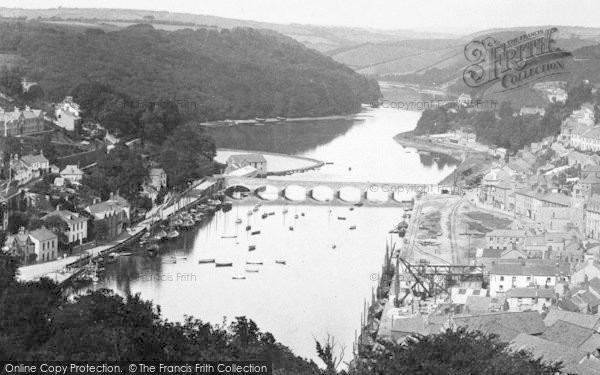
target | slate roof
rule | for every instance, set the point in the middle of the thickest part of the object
(67, 216)
(43, 234)
(115, 202)
(251, 158)
(549, 351)
(535, 269)
(71, 169)
(577, 318)
(31, 159)
(507, 325)
(569, 334)
(530, 293)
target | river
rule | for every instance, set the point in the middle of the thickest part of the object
(330, 270)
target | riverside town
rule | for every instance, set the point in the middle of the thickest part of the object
(290, 188)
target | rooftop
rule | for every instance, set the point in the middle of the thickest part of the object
(43, 234)
(250, 158)
(582, 320)
(530, 293)
(507, 325)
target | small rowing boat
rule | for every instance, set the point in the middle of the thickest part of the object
(251, 247)
(291, 228)
(341, 218)
(223, 264)
(238, 278)
(280, 262)
(248, 227)
(238, 221)
(231, 236)
(207, 260)
(252, 271)
(255, 232)
(254, 263)
(353, 227)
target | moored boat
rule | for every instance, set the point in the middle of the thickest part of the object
(341, 218)
(291, 227)
(217, 264)
(238, 221)
(281, 262)
(251, 247)
(352, 227)
(254, 263)
(238, 278)
(255, 232)
(248, 227)
(252, 271)
(207, 260)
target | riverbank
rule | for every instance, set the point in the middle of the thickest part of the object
(278, 164)
(472, 163)
(408, 139)
(281, 120)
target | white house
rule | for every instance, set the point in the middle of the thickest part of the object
(72, 173)
(78, 225)
(507, 275)
(68, 114)
(526, 299)
(37, 164)
(586, 271)
(45, 244)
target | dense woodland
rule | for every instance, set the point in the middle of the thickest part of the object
(231, 73)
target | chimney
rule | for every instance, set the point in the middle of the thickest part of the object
(58, 207)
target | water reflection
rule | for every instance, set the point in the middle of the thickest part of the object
(329, 270)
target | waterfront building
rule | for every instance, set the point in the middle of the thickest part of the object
(45, 244)
(77, 225)
(115, 212)
(256, 161)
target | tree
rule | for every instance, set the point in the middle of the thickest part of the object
(187, 154)
(451, 352)
(101, 230)
(122, 170)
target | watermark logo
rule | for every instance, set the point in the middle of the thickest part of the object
(516, 62)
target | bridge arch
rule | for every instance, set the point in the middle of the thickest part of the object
(295, 193)
(377, 196)
(322, 193)
(238, 191)
(350, 194)
(267, 192)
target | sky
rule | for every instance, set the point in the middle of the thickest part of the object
(460, 16)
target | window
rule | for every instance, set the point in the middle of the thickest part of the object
(548, 280)
(501, 278)
(528, 278)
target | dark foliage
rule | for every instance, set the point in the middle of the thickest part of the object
(208, 74)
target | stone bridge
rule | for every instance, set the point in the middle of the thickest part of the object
(325, 191)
